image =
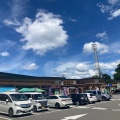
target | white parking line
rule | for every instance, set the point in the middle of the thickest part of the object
(5, 118)
(98, 108)
(115, 109)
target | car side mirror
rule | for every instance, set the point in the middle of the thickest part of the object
(30, 99)
(7, 100)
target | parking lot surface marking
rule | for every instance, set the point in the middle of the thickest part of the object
(5, 118)
(74, 117)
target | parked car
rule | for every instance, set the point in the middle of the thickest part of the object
(106, 96)
(116, 94)
(79, 99)
(92, 98)
(13, 103)
(38, 101)
(59, 101)
(97, 93)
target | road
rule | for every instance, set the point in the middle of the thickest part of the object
(105, 110)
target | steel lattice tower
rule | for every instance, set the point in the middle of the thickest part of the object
(96, 64)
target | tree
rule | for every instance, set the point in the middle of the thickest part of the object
(117, 73)
(107, 78)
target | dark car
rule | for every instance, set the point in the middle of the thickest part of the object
(79, 99)
(116, 94)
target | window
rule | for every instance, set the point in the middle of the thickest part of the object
(18, 97)
(99, 93)
(7, 97)
(28, 95)
(63, 96)
(94, 92)
(2, 97)
(38, 96)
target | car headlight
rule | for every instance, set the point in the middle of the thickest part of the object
(17, 105)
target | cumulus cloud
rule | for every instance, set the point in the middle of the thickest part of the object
(71, 69)
(77, 69)
(111, 8)
(110, 66)
(31, 66)
(101, 48)
(102, 35)
(44, 33)
(4, 54)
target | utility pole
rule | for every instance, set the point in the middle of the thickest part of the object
(96, 61)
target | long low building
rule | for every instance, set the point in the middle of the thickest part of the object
(52, 85)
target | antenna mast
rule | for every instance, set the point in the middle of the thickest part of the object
(96, 64)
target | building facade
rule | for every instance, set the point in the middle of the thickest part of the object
(52, 85)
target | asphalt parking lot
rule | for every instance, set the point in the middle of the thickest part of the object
(104, 110)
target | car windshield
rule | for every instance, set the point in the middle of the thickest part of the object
(19, 97)
(38, 96)
(63, 96)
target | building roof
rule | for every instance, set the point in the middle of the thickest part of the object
(11, 76)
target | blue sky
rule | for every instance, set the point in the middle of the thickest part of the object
(55, 37)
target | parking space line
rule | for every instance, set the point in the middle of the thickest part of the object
(115, 109)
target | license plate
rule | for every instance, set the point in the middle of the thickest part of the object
(43, 107)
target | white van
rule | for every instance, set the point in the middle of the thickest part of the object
(38, 101)
(13, 103)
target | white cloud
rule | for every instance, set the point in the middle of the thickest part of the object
(4, 54)
(110, 66)
(17, 9)
(113, 2)
(104, 8)
(31, 66)
(73, 20)
(10, 22)
(118, 51)
(70, 69)
(115, 14)
(102, 35)
(115, 47)
(78, 70)
(44, 33)
(111, 9)
(101, 48)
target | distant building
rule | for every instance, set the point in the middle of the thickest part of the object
(52, 85)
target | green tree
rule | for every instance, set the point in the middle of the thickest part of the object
(117, 73)
(107, 78)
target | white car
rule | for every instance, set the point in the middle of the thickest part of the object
(92, 98)
(38, 101)
(13, 103)
(58, 101)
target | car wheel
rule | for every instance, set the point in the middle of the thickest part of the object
(10, 112)
(57, 105)
(77, 103)
(34, 109)
(103, 98)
